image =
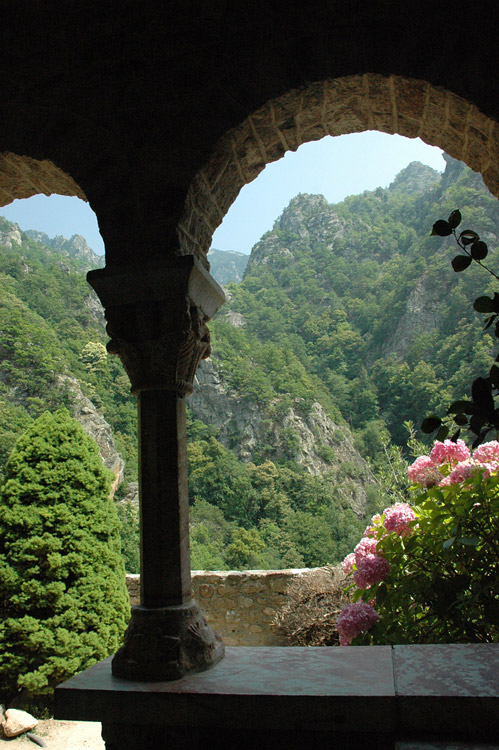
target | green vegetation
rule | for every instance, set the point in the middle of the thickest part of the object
(431, 570)
(359, 296)
(50, 328)
(349, 305)
(245, 515)
(63, 599)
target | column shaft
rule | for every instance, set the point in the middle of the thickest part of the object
(165, 558)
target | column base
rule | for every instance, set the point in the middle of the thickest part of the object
(166, 643)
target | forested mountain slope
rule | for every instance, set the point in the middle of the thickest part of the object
(365, 300)
(227, 265)
(52, 341)
(349, 321)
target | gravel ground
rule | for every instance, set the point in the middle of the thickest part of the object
(60, 735)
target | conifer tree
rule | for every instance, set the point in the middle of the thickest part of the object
(63, 598)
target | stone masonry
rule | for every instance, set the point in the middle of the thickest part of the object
(241, 606)
(390, 104)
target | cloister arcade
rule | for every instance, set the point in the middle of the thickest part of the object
(157, 114)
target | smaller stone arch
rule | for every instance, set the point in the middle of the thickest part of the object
(23, 177)
(390, 104)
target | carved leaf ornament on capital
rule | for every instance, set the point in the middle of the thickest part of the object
(159, 351)
(156, 320)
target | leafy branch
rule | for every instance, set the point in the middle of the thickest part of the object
(478, 414)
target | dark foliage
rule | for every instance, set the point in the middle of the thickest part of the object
(480, 413)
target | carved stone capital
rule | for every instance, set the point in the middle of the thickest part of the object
(156, 319)
(167, 643)
(159, 350)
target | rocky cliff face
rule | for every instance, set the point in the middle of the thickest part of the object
(10, 234)
(416, 178)
(75, 247)
(422, 314)
(94, 424)
(311, 439)
(306, 217)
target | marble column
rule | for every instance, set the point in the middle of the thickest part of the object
(156, 319)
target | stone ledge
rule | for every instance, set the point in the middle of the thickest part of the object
(321, 688)
(377, 689)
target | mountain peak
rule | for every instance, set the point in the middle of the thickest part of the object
(415, 178)
(76, 247)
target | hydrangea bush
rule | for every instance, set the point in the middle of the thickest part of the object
(429, 572)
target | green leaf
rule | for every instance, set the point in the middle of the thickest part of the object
(442, 433)
(430, 424)
(483, 304)
(381, 593)
(479, 250)
(462, 406)
(460, 262)
(477, 421)
(468, 236)
(481, 392)
(461, 419)
(469, 541)
(441, 228)
(449, 542)
(455, 219)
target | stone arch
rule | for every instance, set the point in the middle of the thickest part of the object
(390, 104)
(23, 177)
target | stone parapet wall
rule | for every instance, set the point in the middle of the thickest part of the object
(241, 606)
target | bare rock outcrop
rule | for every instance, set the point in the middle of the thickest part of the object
(310, 438)
(422, 314)
(94, 424)
(10, 235)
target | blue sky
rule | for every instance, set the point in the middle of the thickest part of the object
(333, 167)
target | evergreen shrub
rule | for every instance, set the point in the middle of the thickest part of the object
(63, 597)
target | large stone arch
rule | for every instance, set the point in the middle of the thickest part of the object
(391, 104)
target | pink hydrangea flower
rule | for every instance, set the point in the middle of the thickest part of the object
(448, 451)
(398, 518)
(489, 468)
(465, 469)
(354, 619)
(445, 482)
(371, 569)
(373, 528)
(424, 472)
(366, 546)
(348, 563)
(487, 452)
